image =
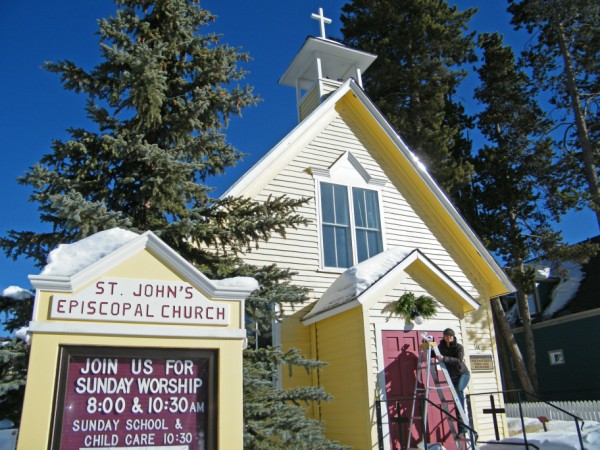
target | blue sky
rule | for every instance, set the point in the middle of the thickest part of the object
(34, 109)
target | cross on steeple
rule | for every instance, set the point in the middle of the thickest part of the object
(322, 21)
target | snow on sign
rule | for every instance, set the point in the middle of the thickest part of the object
(128, 300)
(135, 399)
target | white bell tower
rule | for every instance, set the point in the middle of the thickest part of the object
(321, 66)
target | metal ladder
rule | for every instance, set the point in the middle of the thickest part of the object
(424, 365)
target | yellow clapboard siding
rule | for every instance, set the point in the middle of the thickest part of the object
(342, 343)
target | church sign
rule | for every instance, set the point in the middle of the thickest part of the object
(134, 349)
(125, 300)
(135, 399)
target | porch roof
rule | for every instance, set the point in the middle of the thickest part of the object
(364, 283)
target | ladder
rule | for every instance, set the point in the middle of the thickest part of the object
(424, 367)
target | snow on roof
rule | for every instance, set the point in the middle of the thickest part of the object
(17, 293)
(69, 259)
(357, 279)
(571, 275)
(542, 272)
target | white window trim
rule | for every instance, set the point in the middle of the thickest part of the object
(556, 357)
(362, 179)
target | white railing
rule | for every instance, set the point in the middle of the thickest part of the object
(586, 410)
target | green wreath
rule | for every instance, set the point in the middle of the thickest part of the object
(410, 306)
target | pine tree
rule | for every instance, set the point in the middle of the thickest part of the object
(14, 354)
(517, 186)
(159, 102)
(271, 415)
(421, 45)
(563, 56)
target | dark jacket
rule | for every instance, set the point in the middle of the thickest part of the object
(454, 358)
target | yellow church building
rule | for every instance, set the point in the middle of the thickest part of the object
(379, 227)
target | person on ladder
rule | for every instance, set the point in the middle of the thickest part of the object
(453, 355)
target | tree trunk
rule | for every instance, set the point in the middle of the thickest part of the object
(583, 135)
(528, 338)
(512, 346)
(508, 378)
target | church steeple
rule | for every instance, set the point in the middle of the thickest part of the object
(321, 66)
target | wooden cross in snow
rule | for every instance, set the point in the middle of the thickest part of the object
(322, 21)
(494, 411)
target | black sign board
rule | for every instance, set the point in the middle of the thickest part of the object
(135, 398)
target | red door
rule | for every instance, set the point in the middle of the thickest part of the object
(400, 352)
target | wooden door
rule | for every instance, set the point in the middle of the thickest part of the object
(400, 352)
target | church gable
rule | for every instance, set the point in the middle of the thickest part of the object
(337, 155)
(368, 282)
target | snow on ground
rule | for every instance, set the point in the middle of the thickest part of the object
(561, 435)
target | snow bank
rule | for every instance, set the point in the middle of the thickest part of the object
(68, 259)
(561, 435)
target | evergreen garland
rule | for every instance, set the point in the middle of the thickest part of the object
(410, 306)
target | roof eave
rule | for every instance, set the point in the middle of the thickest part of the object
(505, 285)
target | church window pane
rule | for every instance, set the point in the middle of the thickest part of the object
(340, 234)
(337, 242)
(367, 222)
